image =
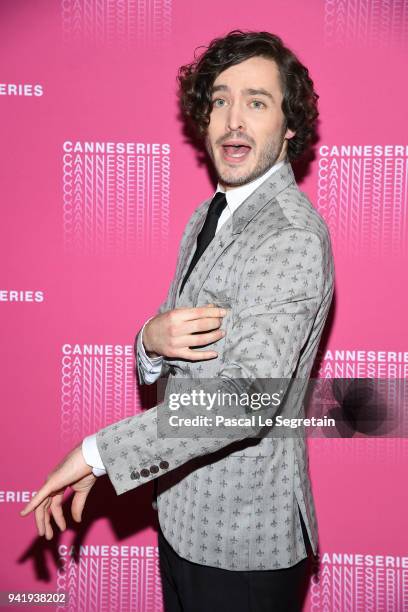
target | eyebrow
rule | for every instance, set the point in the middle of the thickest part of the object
(250, 91)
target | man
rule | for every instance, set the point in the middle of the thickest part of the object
(236, 518)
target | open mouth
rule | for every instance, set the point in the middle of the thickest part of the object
(236, 152)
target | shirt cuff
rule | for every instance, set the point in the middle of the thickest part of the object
(92, 456)
(150, 364)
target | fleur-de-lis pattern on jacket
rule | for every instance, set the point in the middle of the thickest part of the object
(235, 505)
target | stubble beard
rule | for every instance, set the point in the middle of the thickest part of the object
(267, 158)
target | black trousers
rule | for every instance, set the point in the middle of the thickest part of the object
(191, 587)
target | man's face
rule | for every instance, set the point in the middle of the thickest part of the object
(247, 111)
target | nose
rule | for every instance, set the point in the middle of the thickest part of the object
(235, 118)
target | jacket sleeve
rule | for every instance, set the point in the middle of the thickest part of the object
(281, 290)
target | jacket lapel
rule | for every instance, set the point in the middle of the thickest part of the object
(228, 233)
(189, 247)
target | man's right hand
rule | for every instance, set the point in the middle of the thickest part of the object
(171, 333)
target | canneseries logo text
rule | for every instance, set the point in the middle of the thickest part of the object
(359, 363)
(369, 582)
(21, 89)
(378, 23)
(97, 387)
(127, 23)
(15, 497)
(363, 196)
(127, 577)
(21, 295)
(115, 197)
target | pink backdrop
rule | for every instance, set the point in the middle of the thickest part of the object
(97, 184)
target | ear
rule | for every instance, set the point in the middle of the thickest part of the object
(289, 134)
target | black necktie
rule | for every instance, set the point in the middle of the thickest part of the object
(207, 233)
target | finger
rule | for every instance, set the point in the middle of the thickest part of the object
(40, 519)
(57, 511)
(35, 501)
(71, 469)
(197, 355)
(210, 311)
(47, 522)
(201, 339)
(78, 504)
(178, 346)
(201, 325)
(199, 312)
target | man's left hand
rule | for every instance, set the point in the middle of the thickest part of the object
(72, 471)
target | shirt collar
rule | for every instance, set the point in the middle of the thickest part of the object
(237, 195)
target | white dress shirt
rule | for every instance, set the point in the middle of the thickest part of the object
(152, 365)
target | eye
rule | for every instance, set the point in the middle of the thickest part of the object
(216, 100)
(258, 104)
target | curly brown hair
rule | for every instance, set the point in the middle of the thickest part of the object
(299, 104)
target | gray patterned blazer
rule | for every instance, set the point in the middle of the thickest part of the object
(235, 505)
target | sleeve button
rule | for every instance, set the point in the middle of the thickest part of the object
(154, 469)
(144, 472)
(164, 465)
(134, 475)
